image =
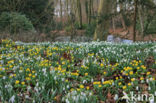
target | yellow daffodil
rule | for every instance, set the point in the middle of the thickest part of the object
(17, 82)
(81, 86)
(124, 87)
(23, 83)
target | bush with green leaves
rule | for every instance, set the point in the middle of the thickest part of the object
(39, 12)
(90, 29)
(14, 23)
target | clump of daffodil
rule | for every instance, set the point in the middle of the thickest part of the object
(81, 86)
(23, 83)
(97, 82)
(108, 82)
(86, 74)
(17, 82)
(124, 87)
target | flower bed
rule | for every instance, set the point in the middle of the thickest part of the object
(75, 72)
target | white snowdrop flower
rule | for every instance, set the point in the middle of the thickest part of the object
(81, 97)
(34, 101)
(42, 87)
(149, 88)
(137, 88)
(20, 71)
(28, 88)
(151, 79)
(74, 98)
(77, 99)
(4, 77)
(102, 80)
(37, 84)
(27, 96)
(68, 86)
(55, 78)
(151, 100)
(12, 99)
(147, 80)
(2, 62)
(87, 61)
(6, 86)
(92, 80)
(35, 74)
(21, 95)
(142, 81)
(113, 84)
(90, 93)
(3, 69)
(84, 81)
(63, 79)
(116, 97)
(44, 70)
(67, 101)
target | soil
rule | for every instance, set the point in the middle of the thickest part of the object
(128, 34)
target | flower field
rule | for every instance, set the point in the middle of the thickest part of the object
(96, 72)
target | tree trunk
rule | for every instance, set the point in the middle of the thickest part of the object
(113, 23)
(103, 21)
(90, 11)
(135, 20)
(114, 10)
(141, 18)
(61, 15)
(121, 17)
(86, 10)
(79, 13)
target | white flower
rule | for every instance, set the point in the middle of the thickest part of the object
(151, 100)
(20, 71)
(137, 88)
(102, 80)
(67, 101)
(116, 97)
(63, 79)
(149, 88)
(55, 78)
(28, 88)
(4, 77)
(36, 89)
(84, 81)
(67, 86)
(26, 96)
(147, 80)
(12, 99)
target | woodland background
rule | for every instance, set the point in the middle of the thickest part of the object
(46, 20)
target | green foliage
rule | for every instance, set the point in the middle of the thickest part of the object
(149, 25)
(90, 29)
(127, 20)
(40, 12)
(58, 26)
(15, 22)
(68, 28)
(42, 15)
(76, 25)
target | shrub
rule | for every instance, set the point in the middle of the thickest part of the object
(76, 25)
(39, 12)
(15, 23)
(68, 28)
(90, 29)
